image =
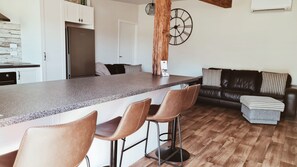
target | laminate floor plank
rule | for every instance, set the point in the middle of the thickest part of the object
(260, 148)
(272, 159)
(289, 154)
(279, 135)
(239, 156)
(221, 137)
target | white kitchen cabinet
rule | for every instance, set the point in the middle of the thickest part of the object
(80, 14)
(53, 40)
(27, 75)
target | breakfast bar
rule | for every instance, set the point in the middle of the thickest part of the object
(56, 102)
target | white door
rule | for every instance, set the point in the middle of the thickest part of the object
(54, 59)
(127, 42)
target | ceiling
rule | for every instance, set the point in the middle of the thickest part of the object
(138, 1)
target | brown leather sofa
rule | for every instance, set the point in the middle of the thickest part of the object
(235, 83)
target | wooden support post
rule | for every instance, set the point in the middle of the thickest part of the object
(161, 34)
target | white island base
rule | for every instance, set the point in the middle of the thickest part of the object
(99, 153)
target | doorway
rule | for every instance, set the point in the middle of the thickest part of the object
(127, 42)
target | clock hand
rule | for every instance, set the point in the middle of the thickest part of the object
(178, 31)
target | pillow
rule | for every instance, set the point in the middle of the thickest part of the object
(132, 68)
(101, 69)
(273, 83)
(211, 77)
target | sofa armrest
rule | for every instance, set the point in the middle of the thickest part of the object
(290, 103)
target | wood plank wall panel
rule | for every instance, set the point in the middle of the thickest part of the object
(220, 3)
(10, 34)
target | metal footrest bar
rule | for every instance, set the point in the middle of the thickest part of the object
(166, 133)
(133, 144)
(165, 160)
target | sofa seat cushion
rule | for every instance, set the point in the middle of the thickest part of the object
(210, 91)
(234, 95)
(245, 80)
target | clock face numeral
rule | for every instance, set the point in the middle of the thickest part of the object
(182, 14)
(186, 19)
(186, 33)
(181, 25)
(187, 26)
(176, 13)
(181, 38)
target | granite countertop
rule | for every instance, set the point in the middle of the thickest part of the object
(20, 103)
(18, 65)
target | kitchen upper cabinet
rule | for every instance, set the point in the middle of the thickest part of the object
(80, 14)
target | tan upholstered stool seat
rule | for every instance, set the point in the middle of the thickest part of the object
(57, 145)
(121, 127)
(105, 130)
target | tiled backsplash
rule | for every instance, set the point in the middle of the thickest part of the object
(10, 42)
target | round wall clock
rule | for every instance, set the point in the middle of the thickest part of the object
(181, 26)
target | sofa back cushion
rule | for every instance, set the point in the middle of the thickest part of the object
(274, 83)
(225, 76)
(101, 69)
(246, 80)
(115, 68)
(132, 68)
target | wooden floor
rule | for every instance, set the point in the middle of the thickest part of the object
(222, 137)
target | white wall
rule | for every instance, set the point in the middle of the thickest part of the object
(107, 14)
(230, 38)
(27, 14)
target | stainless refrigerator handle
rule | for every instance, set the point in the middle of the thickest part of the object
(68, 66)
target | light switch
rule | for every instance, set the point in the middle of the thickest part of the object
(13, 53)
(13, 46)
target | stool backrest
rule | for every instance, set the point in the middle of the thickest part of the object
(132, 119)
(58, 145)
(171, 106)
(191, 96)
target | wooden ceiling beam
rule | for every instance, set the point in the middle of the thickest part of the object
(220, 3)
(161, 34)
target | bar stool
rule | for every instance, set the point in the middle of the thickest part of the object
(168, 111)
(58, 145)
(189, 101)
(121, 127)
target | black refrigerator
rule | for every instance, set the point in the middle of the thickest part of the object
(80, 52)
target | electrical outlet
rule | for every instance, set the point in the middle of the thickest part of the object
(13, 46)
(13, 53)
